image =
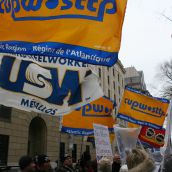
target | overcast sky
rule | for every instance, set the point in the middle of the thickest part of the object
(147, 40)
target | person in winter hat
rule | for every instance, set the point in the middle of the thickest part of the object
(105, 165)
(26, 164)
(116, 163)
(139, 161)
(67, 164)
(42, 163)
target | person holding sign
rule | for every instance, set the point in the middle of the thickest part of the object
(105, 165)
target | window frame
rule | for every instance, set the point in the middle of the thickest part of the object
(62, 153)
(74, 153)
(5, 113)
(5, 149)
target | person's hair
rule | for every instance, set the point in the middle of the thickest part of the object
(136, 157)
(66, 156)
(85, 159)
(24, 162)
(105, 165)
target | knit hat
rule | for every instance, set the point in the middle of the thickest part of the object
(41, 159)
(66, 156)
(105, 165)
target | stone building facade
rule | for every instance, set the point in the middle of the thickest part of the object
(135, 79)
(31, 133)
(112, 81)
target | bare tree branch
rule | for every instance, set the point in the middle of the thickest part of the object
(166, 77)
(168, 18)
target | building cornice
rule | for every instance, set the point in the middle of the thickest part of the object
(119, 63)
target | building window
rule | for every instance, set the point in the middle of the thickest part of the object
(62, 150)
(108, 80)
(109, 93)
(114, 98)
(119, 90)
(4, 142)
(87, 148)
(74, 153)
(5, 113)
(113, 72)
(100, 73)
(118, 77)
(115, 111)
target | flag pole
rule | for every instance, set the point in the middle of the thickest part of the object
(82, 147)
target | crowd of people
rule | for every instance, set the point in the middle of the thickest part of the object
(138, 160)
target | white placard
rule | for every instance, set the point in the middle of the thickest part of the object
(126, 139)
(102, 142)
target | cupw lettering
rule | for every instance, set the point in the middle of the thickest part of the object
(143, 108)
(22, 10)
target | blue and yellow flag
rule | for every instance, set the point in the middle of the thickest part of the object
(141, 109)
(83, 30)
(46, 88)
(80, 121)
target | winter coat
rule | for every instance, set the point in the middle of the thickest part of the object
(116, 167)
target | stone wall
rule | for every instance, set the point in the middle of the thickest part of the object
(18, 131)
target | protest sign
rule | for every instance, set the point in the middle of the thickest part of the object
(111, 137)
(141, 109)
(68, 29)
(102, 142)
(80, 121)
(126, 139)
(44, 87)
(152, 137)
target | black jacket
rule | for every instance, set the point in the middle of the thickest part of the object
(116, 167)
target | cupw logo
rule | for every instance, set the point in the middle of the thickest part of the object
(143, 108)
(24, 10)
